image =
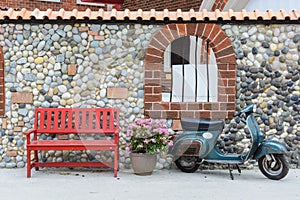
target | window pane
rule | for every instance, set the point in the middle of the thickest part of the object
(177, 80)
(180, 51)
(201, 83)
(189, 83)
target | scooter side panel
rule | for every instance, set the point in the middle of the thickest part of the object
(269, 147)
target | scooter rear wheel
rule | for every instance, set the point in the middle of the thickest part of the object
(273, 166)
(187, 164)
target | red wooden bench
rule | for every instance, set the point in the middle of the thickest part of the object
(103, 121)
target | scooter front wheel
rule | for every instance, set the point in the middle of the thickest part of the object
(273, 166)
(187, 164)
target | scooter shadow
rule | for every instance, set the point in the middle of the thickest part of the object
(225, 174)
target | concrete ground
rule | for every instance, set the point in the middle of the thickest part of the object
(61, 184)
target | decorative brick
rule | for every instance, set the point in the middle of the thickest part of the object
(117, 93)
(167, 33)
(21, 123)
(99, 37)
(187, 114)
(21, 97)
(153, 114)
(11, 153)
(153, 66)
(208, 29)
(161, 106)
(72, 69)
(93, 32)
(170, 114)
(191, 29)
(218, 114)
(4, 123)
(153, 81)
(173, 30)
(200, 29)
(194, 106)
(182, 29)
(178, 106)
(152, 98)
(62, 136)
(83, 28)
(18, 129)
(154, 51)
(162, 39)
(153, 59)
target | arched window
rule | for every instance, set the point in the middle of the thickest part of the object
(190, 71)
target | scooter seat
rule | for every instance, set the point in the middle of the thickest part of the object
(189, 124)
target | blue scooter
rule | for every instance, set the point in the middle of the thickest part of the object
(197, 144)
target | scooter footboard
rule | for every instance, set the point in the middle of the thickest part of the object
(270, 147)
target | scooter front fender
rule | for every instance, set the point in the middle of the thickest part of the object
(269, 147)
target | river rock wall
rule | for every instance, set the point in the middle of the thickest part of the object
(93, 65)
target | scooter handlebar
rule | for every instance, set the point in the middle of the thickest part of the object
(246, 111)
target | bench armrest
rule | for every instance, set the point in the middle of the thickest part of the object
(28, 135)
(30, 131)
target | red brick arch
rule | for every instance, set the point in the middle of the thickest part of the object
(226, 62)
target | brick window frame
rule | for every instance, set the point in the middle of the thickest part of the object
(2, 96)
(226, 63)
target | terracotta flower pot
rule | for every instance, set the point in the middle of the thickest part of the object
(143, 164)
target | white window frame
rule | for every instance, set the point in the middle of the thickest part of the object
(190, 77)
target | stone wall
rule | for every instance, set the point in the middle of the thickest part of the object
(268, 74)
(93, 65)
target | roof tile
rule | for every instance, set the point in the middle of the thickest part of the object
(37, 14)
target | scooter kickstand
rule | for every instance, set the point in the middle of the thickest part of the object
(230, 172)
(239, 169)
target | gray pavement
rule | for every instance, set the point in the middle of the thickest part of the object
(61, 184)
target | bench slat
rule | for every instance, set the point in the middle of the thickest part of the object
(63, 119)
(73, 164)
(71, 143)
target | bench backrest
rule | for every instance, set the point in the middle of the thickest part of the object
(76, 120)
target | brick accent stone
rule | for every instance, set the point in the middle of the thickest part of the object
(4, 123)
(62, 136)
(21, 97)
(93, 32)
(99, 37)
(21, 123)
(72, 69)
(83, 28)
(117, 93)
(11, 153)
(18, 129)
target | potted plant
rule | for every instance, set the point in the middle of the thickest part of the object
(147, 137)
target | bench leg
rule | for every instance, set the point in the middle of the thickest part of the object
(28, 164)
(116, 162)
(36, 159)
